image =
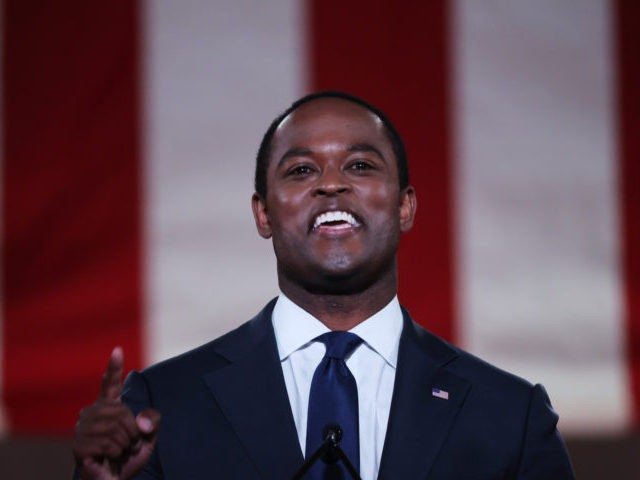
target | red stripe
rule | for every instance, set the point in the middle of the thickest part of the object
(395, 55)
(71, 218)
(628, 43)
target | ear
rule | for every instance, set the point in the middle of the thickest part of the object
(260, 216)
(408, 206)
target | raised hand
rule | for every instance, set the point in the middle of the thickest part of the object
(110, 443)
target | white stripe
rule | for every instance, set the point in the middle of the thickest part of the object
(537, 221)
(3, 418)
(217, 72)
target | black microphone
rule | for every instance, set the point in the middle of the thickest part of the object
(331, 435)
(332, 432)
(330, 452)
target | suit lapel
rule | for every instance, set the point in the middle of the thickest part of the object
(252, 395)
(419, 420)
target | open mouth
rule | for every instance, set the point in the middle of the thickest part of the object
(335, 221)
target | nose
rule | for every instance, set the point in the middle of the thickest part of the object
(331, 182)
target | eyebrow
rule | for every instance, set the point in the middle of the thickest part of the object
(365, 147)
(294, 152)
(305, 152)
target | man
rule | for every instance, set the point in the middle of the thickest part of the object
(333, 194)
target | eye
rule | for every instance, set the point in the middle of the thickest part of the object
(361, 165)
(300, 171)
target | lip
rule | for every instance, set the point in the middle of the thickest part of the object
(335, 230)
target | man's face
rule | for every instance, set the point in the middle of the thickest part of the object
(333, 207)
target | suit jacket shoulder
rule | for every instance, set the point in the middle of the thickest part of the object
(215, 354)
(473, 368)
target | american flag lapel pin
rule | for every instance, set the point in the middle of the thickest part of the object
(443, 394)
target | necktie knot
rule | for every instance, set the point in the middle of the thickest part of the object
(339, 344)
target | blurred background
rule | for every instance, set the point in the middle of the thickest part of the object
(129, 130)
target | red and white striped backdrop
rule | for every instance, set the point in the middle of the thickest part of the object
(128, 135)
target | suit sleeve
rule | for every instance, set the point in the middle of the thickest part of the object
(136, 394)
(544, 454)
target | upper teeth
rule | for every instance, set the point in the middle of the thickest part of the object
(334, 217)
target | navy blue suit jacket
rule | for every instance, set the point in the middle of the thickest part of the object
(226, 414)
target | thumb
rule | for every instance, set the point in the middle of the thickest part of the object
(148, 422)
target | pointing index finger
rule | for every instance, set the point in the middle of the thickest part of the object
(112, 378)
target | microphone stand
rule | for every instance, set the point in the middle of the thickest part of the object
(330, 452)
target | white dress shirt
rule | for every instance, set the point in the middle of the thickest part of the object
(373, 365)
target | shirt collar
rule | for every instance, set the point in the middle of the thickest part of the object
(295, 327)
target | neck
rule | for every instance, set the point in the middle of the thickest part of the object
(342, 311)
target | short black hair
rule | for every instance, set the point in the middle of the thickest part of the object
(397, 145)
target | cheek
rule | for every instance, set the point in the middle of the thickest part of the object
(288, 196)
(381, 198)
(286, 216)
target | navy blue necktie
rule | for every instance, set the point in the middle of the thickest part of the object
(333, 399)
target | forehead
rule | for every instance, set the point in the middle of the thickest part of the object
(330, 120)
